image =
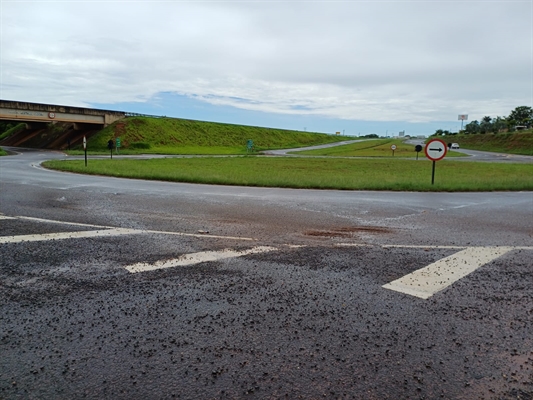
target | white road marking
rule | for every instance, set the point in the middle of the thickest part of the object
(196, 258)
(202, 235)
(4, 239)
(67, 235)
(51, 221)
(425, 282)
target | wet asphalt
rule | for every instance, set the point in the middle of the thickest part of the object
(307, 320)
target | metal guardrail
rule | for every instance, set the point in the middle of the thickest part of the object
(130, 114)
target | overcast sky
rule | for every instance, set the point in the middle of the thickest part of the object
(359, 66)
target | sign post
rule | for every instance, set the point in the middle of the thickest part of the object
(418, 149)
(110, 146)
(393, 147)
(435, 150)
(117, 143)
(85, 149)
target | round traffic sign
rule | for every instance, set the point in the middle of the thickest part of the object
(84, 143)
(393, 147)
(436, 149)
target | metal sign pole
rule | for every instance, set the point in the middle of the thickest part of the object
(85, 149)
(433, 173)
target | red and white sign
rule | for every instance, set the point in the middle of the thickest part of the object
(393, 147)
(51, 115)
(463, 117)
(436, 149)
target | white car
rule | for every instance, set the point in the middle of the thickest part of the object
(455, 146)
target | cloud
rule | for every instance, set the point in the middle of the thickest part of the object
(380, 61)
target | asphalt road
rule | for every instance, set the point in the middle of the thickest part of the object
(130, 289)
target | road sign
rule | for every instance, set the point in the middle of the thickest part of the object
(393, 147)
(118, 142)
(85, 149)
(418, 149)
(436, 149)
(249, 145)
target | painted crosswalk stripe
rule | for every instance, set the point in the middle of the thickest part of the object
(196, 258)
(68, 235)
(425, 282)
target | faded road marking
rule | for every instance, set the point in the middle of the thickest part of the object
(9, 239)
(196, 258)
(67, 235)
(425, 282)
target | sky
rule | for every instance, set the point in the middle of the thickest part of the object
(355, 67)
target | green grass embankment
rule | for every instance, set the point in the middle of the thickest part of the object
(3, 152)
(373, 148)
(317, 173)
(180, 136)
(520, 142)
(12, 131)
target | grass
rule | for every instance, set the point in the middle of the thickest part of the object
(373, 148)
(512, 143)
(11, 131)
(3, 152)
(181, 136)
(331, 173)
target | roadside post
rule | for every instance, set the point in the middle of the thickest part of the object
(118, 144)
(418, 149)
(393, 147)
(110, 146)
(435, 150)
(85, 149)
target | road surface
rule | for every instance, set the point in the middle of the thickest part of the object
(131, 289)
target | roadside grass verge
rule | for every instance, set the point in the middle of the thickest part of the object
(510, 143)
(372, 148)
(3, 152)
(319, 173)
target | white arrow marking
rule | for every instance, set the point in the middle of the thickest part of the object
(427, 281)
(196, 258)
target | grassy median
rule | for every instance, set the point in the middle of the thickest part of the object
(316, 173)
(372, 148)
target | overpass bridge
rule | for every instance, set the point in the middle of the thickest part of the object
(74, 123)
(48, 113)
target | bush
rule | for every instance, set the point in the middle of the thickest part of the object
(140, 145)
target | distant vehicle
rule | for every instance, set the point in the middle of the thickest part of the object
(455, 145)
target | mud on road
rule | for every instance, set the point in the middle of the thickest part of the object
(308, 321)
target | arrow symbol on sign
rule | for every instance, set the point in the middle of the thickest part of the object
(439, 149)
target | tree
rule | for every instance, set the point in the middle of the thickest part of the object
(498, 124)
(486, 124)
(522, 115)
(472, 127)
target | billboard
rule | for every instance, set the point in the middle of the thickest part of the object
(463, 117)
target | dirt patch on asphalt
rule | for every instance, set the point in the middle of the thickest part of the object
(347, 231)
